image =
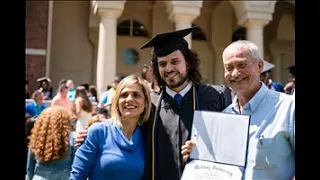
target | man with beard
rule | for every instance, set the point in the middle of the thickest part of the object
(176, 69)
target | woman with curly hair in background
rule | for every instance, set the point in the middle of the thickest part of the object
(51, 148)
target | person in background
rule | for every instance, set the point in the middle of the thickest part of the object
(271, 148)
(147, 75)
(114, 148)
(104, 97)
(92, 94)
(51, 147)
(62, 81)
(86, 86)
(89, 93)
(266, 78)
(83, 108)
(61, 98)
(36, 106)
(106, 107)
(112, 90)
(28, 127)
(29, 121)
(72, 90)
(289, 88)
(27, 94)
(44, 86)
(101, 108)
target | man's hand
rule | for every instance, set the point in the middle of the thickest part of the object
(186, 149)
(81, 136)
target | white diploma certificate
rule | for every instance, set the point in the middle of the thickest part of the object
(221, 145)
(199, 170)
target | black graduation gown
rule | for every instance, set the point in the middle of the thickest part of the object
(173, 128)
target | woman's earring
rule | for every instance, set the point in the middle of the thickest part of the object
(139, 123)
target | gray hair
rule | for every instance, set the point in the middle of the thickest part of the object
(252, 49)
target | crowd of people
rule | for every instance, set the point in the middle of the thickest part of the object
(140, 127)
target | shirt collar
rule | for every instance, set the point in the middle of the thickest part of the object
(254, 102)
(182, 92)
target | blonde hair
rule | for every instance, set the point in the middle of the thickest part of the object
(128, 81)
(49, 138)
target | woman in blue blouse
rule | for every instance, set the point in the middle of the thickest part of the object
(114, 149)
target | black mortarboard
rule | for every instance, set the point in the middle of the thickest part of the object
(166, 43)
(292, 69)
(44, 79)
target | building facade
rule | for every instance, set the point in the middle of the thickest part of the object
(92, 41)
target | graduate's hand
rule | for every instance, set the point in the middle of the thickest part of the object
(81, 136)
(186, 149)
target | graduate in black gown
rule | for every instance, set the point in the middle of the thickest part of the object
(176, 69)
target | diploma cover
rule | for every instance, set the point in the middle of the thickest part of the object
(221, 146)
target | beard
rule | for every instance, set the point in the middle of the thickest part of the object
(171, 83)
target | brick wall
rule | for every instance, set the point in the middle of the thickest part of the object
(36, 38)
(35, 68)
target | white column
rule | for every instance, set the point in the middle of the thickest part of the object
(218, 66)
(277, 60)
(49, 35)
(183, 13)
(278, 49)
(106, 62)
(255, 33)
(254, 15)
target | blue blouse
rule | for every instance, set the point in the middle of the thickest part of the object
(108, 154)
